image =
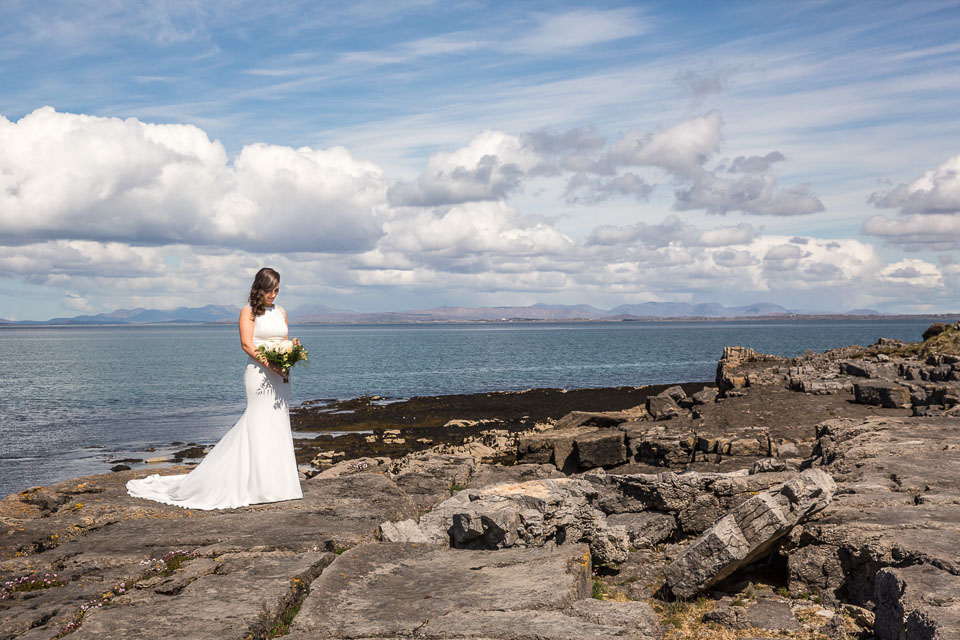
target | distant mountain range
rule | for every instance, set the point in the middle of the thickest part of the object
(318, 313)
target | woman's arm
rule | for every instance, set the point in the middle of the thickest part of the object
(246, 340)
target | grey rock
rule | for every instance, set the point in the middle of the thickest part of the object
(700, 514)
(486, 474)
(645, 529)
(598, 418)
(704, 396)
(814, 568)
(898, 503)
(863, 617)
(676, 493)
(522, 625)
(729, 617)
(604, 448)
(772, 465)
(748, 532)
(659, 447)
(96, 548)
(247, 588)
(638, 617)
(555, 446)
(676, 392)
(772, 614)
(835, 629)
(890, 394)
(865, 369)
(663, 407)
(918, 602)
(399, 590)
(402, 531)
(427, 476)
(533, 513)
(490, 524)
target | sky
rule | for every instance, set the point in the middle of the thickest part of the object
(409, 154)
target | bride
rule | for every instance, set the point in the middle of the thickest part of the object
(254, 462)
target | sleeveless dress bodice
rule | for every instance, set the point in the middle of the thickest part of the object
(269, 327)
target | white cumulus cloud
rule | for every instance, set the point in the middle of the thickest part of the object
(936, 191)
(488, 168)
(929, 210)
(70, 176)
(681, 149)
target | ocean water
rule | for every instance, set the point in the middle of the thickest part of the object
(74, 398)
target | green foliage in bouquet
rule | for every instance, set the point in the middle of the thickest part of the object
(284, 354)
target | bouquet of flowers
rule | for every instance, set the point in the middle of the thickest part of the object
(284, 354)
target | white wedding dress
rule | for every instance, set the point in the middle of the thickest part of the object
(254, 462)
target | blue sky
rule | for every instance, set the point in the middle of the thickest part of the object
(409, 154)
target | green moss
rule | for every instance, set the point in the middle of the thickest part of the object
(174, 562)
(599, 590)
(281, 626)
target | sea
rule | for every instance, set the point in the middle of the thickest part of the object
(74, 399)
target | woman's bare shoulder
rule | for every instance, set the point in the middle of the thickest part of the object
(246, 312)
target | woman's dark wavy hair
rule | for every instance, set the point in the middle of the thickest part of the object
(264, 282)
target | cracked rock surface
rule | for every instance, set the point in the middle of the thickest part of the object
(790, 509)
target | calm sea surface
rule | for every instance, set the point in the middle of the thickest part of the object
(72, 399)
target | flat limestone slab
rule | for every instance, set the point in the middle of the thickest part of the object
(245, 588)
(409, 589)
(335, 512)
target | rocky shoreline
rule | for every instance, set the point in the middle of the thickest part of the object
(812, 497)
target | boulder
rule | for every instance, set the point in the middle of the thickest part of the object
(428, 477)
(531, 514)
(748, 532)
(402, 531)
(663, 407)
(662, 448)
(677, 493)
(555, 447)
(487, 525)
(727, 616)
(599, 418)
(603, 448)
(884, 394)
(645, 529)
(704, 396)
(676, 392)
(865, 369)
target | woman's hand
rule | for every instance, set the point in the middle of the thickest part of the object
(277, 369)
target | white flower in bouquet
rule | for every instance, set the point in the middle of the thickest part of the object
(283, 353)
